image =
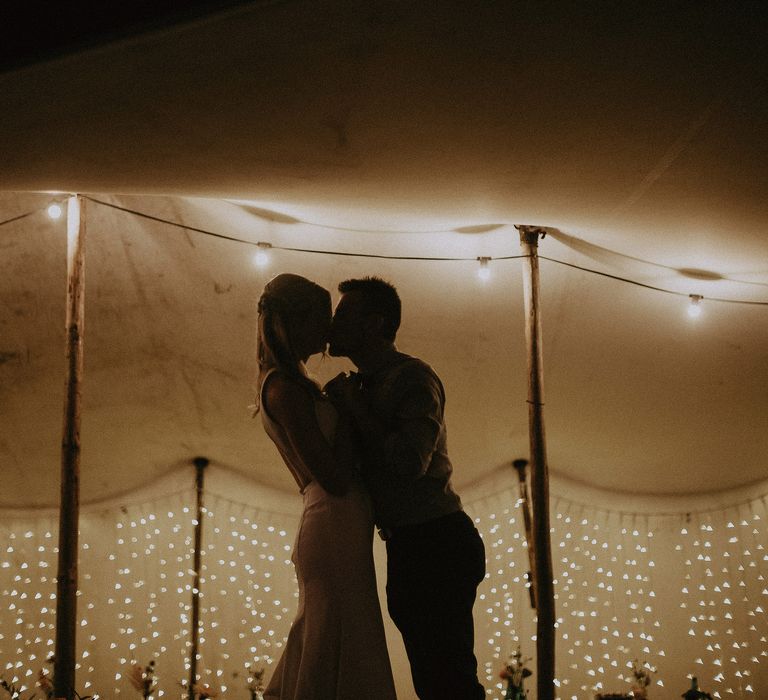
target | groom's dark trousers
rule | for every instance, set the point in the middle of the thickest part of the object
(433, 570)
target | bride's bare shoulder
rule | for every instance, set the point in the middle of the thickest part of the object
(284, 396)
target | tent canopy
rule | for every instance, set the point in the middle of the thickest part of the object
(637, 133)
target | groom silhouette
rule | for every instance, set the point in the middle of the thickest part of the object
(435, 557)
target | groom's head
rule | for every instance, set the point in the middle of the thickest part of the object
(366, 318)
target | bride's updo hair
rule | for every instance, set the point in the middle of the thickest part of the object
(286, 303)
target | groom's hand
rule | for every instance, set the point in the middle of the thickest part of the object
(346, 394)
(344, 391)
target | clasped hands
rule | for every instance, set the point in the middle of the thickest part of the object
(344, 392)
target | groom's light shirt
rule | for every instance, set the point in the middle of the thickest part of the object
(410, 479)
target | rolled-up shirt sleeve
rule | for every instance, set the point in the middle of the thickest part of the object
(416, 425)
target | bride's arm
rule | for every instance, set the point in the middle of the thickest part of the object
(292, 407)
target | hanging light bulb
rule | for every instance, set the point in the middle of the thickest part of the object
(484, 272)
(262, 257)
(694, 308)
(55, 211)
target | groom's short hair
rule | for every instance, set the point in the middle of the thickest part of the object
(380, 298)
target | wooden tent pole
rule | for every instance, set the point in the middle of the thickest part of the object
(544, 588)
(521, 465)
(200, 464)
(66, 576)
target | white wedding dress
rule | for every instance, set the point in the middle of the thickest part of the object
(336, 648)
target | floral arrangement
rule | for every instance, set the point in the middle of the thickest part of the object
(515, 672)
(143, 679)
(642, 675)
(202, 691)
(255, 683)
(11, 689)
(44, 682)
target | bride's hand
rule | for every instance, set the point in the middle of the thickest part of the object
(344, 392)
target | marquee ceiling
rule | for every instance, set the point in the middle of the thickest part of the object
(636, 132)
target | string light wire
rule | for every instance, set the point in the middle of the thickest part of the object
(289, 248)
(26, 214)
(412, 257)
(650, 286)
(235, 239)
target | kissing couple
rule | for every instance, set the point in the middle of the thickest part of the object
(368, 448)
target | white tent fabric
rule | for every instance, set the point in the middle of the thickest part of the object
(169, 367)
(637, 135)
(639, 396)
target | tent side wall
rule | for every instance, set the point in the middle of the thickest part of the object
(682, 593)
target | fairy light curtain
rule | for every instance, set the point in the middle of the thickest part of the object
(681, 594)
(677, 594)
(135, 593)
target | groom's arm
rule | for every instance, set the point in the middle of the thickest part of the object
(417, 421)
(405, 446)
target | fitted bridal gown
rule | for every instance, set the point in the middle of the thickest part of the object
(336, 648)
